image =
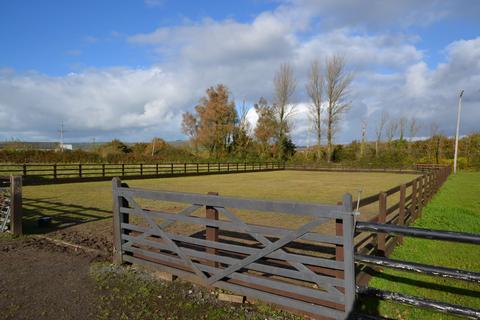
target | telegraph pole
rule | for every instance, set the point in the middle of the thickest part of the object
(459, 110)
(62, 131)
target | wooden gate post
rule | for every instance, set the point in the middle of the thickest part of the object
(118, 219)
(16, 212)
(348, 253)
(382, 217)
(211, 233)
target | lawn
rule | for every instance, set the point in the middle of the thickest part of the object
(456, 207)
(79, 203)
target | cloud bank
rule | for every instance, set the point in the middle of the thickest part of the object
(134, 104)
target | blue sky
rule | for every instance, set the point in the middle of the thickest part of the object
(129, 69)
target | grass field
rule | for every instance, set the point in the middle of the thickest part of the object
(456, 207)
(73, 204)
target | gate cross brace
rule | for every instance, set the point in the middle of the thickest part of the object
(289, 237)
(264, 240)
(169, 241)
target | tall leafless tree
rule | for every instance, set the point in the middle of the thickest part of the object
(284, 83)
(381, 121)
(413, 128)
(402, 127)
(364, 138)
(392, 129)
(337, 83)
(314, 89)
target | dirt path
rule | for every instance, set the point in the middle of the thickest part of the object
(41, 280)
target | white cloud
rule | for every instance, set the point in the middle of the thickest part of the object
(135, 104)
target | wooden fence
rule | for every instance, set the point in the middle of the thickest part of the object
(298, 268)
(56, 173)
(408, 201)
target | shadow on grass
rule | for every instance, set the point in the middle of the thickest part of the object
(63, 215)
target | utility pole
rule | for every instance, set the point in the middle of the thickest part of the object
(459, 110)
(62, 131)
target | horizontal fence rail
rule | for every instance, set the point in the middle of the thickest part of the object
(53, 173)
(443, 307)
(376, 238)
(227, 251)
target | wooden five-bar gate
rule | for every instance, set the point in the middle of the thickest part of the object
(300, 267)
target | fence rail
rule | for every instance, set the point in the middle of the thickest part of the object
(230, 253)
(439, 271)
(47, 173)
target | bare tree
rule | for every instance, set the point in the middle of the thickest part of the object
(392, 128)
(314, 89)
(402, 127)
(336, 84)
(381, 121)
(284, 84)
(413, 128)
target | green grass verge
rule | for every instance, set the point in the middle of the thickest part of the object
(456, 207)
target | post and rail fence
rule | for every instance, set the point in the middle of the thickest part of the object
(34, 173)
(321, 259)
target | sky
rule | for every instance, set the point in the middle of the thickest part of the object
(129, 69)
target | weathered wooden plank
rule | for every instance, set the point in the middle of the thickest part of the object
(226, 225)
(265, 251)
(295, 208)
(16, 211)
(305, 259)
(283, 272)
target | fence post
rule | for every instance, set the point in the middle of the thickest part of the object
(24, 170)
(55, 171)
(103, 169)
(211, 233)
(420, 196)
(156, 168)
(348, 251)
(382, 217)
(208, 167)
(141, 169)
(228, 167)
(413, 208)
(185, 168)
(171, 168)
(16, 212)
(80, 170)
(123, 169)
(118, 219)
(401, 209)
(198, 170)
(218, 166)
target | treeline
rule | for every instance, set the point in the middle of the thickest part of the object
(158, 150)
(438, 149)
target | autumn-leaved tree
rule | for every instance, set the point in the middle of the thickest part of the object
(266, 128)
(213, 125)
